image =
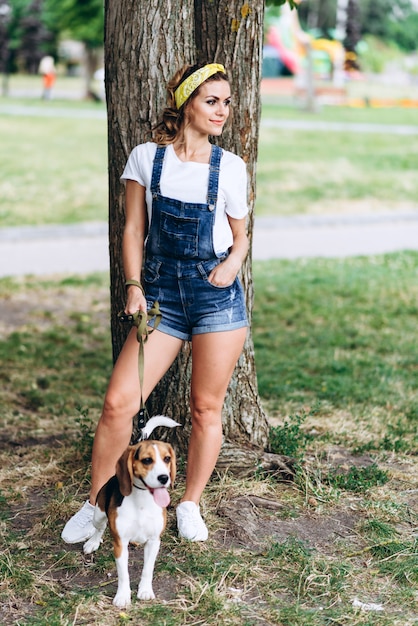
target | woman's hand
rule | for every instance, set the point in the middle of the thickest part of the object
(135, 300)
(224, 274)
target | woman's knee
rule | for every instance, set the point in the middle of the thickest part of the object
(117, 407)
(205, 414)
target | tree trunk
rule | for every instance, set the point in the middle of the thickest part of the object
(145, 42)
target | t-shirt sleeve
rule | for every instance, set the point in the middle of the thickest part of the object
(235, 188)
(134, 168)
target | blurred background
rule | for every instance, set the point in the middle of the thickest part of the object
(334, 43)
(339, 123)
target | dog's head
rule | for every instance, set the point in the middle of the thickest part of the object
(151, 464)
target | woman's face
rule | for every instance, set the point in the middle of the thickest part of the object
(209, 109)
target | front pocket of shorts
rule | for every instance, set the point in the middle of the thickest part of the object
(205, 269)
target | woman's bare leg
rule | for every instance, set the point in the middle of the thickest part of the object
(122, 400)
(214, 356)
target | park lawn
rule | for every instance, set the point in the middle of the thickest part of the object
(395, 115)
(316, 173)
(55, 167)
(336, 355)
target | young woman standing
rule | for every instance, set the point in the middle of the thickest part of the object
(193, 196)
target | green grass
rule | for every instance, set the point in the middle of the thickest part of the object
(336, 361)
(341, 172)
(55, 168)
(312, 343)
(348, 115)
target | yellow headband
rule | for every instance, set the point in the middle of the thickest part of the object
(192, 82)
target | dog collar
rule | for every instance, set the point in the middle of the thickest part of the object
(144, 488)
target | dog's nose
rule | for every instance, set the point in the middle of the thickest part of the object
(163, 479)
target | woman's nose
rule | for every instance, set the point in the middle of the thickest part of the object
(221, 109)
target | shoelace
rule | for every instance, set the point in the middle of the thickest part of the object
(191, 517)
(83, 518)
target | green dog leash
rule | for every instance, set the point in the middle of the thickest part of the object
(140, 319)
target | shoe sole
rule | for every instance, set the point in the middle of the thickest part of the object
(88, 536)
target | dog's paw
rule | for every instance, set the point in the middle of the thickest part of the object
(122, 600)
(92, 544)
(145, 593)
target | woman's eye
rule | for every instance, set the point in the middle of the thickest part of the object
(210, 101)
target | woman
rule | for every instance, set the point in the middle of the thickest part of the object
(193, 196)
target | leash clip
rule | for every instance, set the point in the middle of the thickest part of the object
(140, 319)
(141, 421)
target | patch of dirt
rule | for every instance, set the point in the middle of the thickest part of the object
(337, 456)
(250, 521)
(8, 438)
(55, 305)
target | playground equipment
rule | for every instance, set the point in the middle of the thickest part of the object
(292, 45)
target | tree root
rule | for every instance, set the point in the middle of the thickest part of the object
(244, 515)
(243, 461)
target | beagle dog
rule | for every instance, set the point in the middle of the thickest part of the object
(134, 503)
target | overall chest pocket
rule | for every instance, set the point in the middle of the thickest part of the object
(179, 236)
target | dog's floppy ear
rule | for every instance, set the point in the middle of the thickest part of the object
(124, 471)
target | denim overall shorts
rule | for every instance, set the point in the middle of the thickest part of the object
(179, 256)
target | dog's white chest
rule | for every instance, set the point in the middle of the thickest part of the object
(139, 518)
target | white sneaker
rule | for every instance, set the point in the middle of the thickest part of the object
(190, 523)
(80, 526)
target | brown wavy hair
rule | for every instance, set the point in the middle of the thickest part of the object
(171, 125)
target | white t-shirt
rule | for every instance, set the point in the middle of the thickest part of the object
(188, 182)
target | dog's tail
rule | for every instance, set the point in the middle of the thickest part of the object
(154, 422)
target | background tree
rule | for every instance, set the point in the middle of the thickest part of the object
(374, 14)
(352, 33)
(34, 37)
(318, 15)
(390, 20)
(82, 21)
(403, 29)
(145, 42)
(5, 16)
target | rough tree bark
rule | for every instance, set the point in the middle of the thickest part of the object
(145, 41)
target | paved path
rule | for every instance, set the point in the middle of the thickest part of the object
(83, 248)
(13, 109)
(332, 127)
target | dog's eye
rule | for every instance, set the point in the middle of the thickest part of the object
(167, 459)
(147, 461)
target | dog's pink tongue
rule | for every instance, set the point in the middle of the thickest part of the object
(161, 497)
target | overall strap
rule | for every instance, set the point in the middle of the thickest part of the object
(214, 168)
(157, 169)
